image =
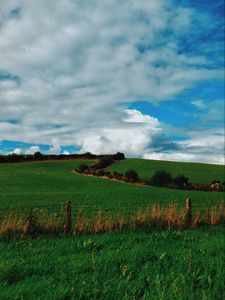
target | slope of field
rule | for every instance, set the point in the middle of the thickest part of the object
(155, 265)
(128, 265)
(49, 184)
(196, 172)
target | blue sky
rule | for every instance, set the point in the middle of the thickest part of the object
(195, 103)
(145, 78)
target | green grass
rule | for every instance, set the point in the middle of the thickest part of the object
(132, 265)
(50, 184)
(197, 173)
(127, 265)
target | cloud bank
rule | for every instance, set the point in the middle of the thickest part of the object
(70, 69)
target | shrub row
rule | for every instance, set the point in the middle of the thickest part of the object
(165, 179)
(159, 178)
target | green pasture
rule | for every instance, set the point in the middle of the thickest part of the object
(128, 265)
(132, 265)
(196, 172)
(50, 184)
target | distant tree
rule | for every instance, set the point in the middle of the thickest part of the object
(13, 158)
(104, 162)
(38, 155)
(161, 178)
(131, 175)
(100, 172)
(180, 180)
(88, 155)
(82, 168)
(118, 156)
(3, 158)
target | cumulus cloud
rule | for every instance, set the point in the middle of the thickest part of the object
(33, 149)
(133, 135)
(55, 148)
(74, 66)
(66, 152)
(16, 151)
(205, 147)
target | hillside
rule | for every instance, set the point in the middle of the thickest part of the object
(143, 264)
(49, 184)
(196, 172)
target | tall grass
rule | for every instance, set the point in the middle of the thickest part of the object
(155, 216)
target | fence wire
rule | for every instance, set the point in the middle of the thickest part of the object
(57, 210)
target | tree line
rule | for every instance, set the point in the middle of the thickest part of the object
(38, 156)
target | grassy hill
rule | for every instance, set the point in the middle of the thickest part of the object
(49, 184)
(146, 264)
(196, 172)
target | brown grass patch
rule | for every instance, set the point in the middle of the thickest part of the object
(154, 216)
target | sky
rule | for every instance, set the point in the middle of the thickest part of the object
(142, 77)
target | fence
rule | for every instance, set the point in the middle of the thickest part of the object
(67, 223)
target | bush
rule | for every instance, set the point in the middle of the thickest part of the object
(104, 162)
(87, 155)
(92, 171)
(161, 178)
(100, 173)
(117, 175)
(82, 168)
(147, 182)
(118, 156)
(38, 156)
(109, 175)
(131, 175)
(180, 180)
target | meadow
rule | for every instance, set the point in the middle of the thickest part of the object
(48, 185)
(143, 264)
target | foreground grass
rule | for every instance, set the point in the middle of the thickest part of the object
(129, 265)
(196, 172)
(47, 185)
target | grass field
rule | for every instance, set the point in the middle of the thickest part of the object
(197, 173)
(150, 264)
(132, 265)
(49, 184)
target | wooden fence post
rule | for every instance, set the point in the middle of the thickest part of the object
(188, 213)
(67, 228)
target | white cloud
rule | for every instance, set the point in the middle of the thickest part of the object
(135, 116)
(186, 157)
(132, 136)
(33, 149)
(199, 104)
(80, 64)
(204, 147)
(56, 148)
(16, 151)
(66, 152)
